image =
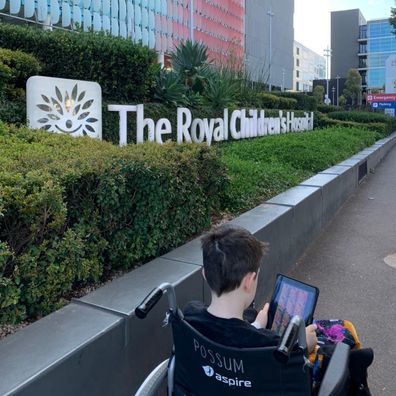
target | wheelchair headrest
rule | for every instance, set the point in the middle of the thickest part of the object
(204, 367)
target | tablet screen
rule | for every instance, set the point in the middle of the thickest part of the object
(291, 297)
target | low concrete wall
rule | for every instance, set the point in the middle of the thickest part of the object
(96, 346)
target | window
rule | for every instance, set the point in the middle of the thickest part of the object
(297, 73)
(298, 50)
(297, 62)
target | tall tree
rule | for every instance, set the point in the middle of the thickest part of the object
(318, 94)
(353, 86)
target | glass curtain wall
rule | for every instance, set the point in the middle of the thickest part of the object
(381, 43)
(159, 24)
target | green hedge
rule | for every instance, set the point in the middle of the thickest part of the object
(304, 101)
(328, 108)
(378, 122)
(263, 167)
(359, 116)
(20, 65)
(269, 101)
(74, 209)
(124, 70)
(15, 68)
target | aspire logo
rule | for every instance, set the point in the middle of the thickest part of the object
(209, 371)
(65, 106)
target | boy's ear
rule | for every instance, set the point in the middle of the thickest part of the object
(248, 281)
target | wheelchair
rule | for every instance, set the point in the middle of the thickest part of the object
(199, 366)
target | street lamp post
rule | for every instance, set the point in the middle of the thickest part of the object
(283, 80)
(338, 85)
(270, 15)
(192, 20)
(333, 90)
(327, 54)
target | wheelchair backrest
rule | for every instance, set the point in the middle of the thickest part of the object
(204, 367)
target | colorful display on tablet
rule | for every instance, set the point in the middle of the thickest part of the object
(290, 298)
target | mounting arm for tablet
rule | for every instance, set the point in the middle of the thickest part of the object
(294, 332)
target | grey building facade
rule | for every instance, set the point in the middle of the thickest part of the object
(259, 30)
(345, 29)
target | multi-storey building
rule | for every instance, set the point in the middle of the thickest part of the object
(308, 66)
(381, 43)
(159, 24)
(361, 45)
(269, 41)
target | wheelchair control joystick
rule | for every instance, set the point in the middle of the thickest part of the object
(288, 340)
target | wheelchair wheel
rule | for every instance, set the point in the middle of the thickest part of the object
(153, 382)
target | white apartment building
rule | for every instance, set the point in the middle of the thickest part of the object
(308, 66)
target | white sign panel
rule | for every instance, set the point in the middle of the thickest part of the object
(75, 108)
(239, 124)
(390, 74)
(65, 106)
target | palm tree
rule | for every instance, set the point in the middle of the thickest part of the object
(190, 62)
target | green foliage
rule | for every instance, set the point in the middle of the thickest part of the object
(342, 100)
(263, 167)
(72, 209)
(124, 70)
(269, 101)
(304, 101)
(169, 89)
(15, 68)
(190, 62)
(318, 94)
(5, 75)
(21, 66)
(328, 108)
(359, 116)
(353, 86)
(220, 92)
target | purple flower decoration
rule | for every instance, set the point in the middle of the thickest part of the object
(335, 333)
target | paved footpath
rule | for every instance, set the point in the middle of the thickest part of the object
(347, 263)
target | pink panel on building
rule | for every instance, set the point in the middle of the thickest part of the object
(219, 24)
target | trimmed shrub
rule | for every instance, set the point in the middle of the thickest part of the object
(21, 66)
(15, 68)
(124, 70)
(269, 101)
(73, 209)
(359, 116)
(263, 167)
(328, 108)
(304, 101)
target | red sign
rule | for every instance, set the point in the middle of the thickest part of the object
(381, 98)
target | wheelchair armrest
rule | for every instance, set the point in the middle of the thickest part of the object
(336, 374)
(152, 383)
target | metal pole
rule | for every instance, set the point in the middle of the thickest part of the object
(192, 20)
(270, 14)
(333, 90)
(327, 53)
(338, 81)
(283, 80)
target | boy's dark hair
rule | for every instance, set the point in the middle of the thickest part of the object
(229, 253)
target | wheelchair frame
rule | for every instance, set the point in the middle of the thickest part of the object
(333, 382)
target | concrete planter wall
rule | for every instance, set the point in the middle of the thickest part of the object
(96, 346)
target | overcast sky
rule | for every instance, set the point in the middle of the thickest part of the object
(312, 18)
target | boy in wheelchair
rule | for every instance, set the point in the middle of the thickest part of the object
(232, 258)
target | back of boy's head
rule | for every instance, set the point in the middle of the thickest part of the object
(229, 253)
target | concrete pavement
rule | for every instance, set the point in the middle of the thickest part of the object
(346, 262)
